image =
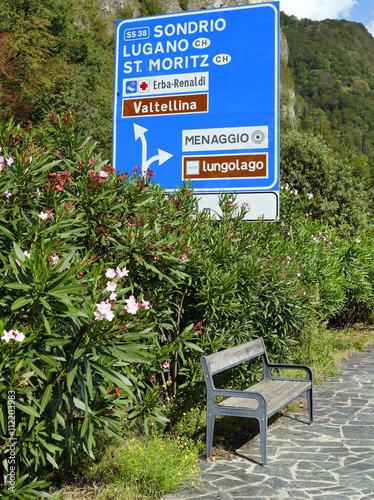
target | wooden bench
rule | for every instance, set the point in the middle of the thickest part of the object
(259, 401)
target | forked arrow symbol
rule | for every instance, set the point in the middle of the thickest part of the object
(162, 156)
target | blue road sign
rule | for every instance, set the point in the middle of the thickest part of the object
(196, 97)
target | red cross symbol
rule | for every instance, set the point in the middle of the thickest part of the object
(143, 86)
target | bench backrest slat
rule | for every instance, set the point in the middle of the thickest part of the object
(222, 360)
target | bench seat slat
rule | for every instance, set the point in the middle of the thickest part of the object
(277, 392)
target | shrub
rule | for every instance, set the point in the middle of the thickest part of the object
(111, 289)
(310, 166)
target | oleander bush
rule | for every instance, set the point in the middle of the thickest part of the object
(111, 289)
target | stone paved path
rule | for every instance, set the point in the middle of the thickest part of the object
(331, 459)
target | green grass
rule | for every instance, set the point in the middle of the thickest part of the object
(324, 349)
(142, 467)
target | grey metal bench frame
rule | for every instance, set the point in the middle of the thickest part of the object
(259, 401)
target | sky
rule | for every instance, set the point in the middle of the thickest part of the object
(359, 11)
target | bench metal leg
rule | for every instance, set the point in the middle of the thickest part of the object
(310, 404)
(263, 422)
(210, 417)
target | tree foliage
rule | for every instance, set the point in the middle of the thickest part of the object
(333, 67)
(309, 165)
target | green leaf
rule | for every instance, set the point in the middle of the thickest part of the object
(46, 397)
(51, 460)
(84, 426)
(62, 291)
(18, 286)
(72, 370)
(79, 351)
(46, 305)
(21, 302)
(89, 383)
(50, 360)
(115, 377)
(26, 409)
(79, 404)
(19, 254)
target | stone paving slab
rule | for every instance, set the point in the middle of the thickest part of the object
(332, 459)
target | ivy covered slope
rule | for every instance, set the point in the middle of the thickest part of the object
(333, 66)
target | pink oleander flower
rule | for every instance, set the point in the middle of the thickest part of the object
(25, 172)
(121, 273)
(7, 194)
(310, 196)
(26, 253)
(19, 336)
(9, 161)
(110, 273)
(184, 257)
(145, 304)
(43, 215)
(13, 335)
(132, 306)
(55, 258)
(111, 286)
(358, 241)
(165, 364)
(8, 336)
(1, 159)
(103, 174)
(104, 311)
(113, 296)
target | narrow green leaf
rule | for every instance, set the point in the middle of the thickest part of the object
(22, 301)
(50, 360)
(115, 377)
(26, 409)
(45, 303)
(46, 397)
(79, 351)
(84, 426)
(62, 291)
(18, 286)
(19, 254)
(72, 370)
(51, 460)
(79, 404)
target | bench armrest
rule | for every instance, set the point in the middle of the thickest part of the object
(229, 393)
(274, 366)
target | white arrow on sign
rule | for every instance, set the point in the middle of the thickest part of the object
(162, 156)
